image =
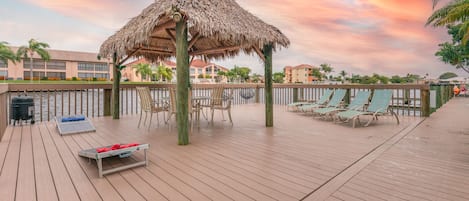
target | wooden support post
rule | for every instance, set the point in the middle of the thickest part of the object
(301, 94)
(258, 93)
(107, 102)
(115, 88)
(425, 96)
(347, 96)
(295, 95)
(269, 107)
(182, 92)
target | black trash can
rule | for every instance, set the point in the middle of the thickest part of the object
(22, 108)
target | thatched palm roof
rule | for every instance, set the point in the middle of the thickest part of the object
(217, 28)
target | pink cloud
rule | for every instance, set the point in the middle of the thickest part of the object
(105, 13)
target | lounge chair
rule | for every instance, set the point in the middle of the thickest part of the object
(358, 103)
(322, 100)
(68, 125)
(335, 101)
(379, 105)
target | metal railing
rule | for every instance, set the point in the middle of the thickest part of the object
(94, 100)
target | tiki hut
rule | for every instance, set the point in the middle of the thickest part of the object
(184, 28)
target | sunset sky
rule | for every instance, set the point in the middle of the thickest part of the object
(358, 36)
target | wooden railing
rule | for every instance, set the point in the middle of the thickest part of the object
(3, 109)
(94, 100)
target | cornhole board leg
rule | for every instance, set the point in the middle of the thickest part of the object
(92, 154)
(117, 169)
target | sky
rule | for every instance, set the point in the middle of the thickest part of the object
(359, 36)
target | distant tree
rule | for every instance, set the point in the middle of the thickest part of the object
(355, 78)
(200, 76)
(143, 69)
(255, 78)
(278, 77)
(6, 53)
(317, 73)
(28, 51)
(220, 75)
(161, 72)
(231, 76)
(448, 75)
(242, 73)
(343, 75)
(326, 68)
(381, 78)
(396, 79)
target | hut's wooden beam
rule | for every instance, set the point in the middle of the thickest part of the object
(166, 25)
(259, 52)
(194, 39)
(215, 50)
(182, 91)
(173, 38)
(157, 52)
(128, 56)
(160, 38)
(269, 107)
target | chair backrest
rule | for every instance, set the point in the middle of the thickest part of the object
(217, 95)
(325, 97)
(146, 101)
(361, 98)
(380, 101)
(338, 96)
(172, 100)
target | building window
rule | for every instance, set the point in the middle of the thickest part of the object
(3, 74)
(102, 75)
(192, 71)
(86, 66)
(85, 75)
(37, 64)
(35, 74)
(3, 64)
(102, 67)
(56, 65)
(56, 75)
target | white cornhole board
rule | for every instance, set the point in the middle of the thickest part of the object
(74, 127)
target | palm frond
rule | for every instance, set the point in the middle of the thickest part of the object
(43, 54)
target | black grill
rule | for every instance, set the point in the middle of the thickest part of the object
(22, 108)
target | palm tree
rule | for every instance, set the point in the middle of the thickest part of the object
(162, 73)
(454, 12)
(6, 53)
(34, 46)
(343, 74)
(326, 68)
(143, 69)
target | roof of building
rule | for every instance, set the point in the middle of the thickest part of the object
(66, 55)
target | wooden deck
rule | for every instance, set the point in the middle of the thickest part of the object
(301, 158)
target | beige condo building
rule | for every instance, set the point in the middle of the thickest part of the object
(62, 65)
(299, 74)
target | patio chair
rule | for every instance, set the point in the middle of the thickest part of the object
(358, 103)
(147, 105)
(216, 100)
(322, 100)
(76, 124)
(379, 105)
(193, 109)
(335, 101)
(225, 105)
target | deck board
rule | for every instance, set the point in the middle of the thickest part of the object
(25, 186)
(247, 161)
